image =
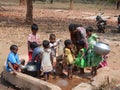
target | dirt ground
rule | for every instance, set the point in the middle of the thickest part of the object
(14, 31)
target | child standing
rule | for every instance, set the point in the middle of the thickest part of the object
(47, 59)
(33, 37)
(80, 61)
(77, 33)
(53, 46)
(68, 56)
(93, 58)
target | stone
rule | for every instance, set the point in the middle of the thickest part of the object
(83, 86)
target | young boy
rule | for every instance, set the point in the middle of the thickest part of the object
(33, 37)
(13, 63)
(53, 46)
(36, 56)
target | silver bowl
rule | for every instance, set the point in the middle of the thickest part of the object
(23, 67)
(101, 48)
(31, 68)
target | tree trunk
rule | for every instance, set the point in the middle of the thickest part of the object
(51, 1)
(118, 4)
(22, 2)
(71, 4)
(29, 13)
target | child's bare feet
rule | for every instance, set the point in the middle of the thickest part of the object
(70, 77)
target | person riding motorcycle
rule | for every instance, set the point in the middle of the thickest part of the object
(119, 23)
(100, 24)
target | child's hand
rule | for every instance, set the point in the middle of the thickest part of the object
(54, 64)
(14, 72)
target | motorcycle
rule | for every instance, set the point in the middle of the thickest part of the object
(101, 24)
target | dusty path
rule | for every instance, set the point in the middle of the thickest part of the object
(13, 31)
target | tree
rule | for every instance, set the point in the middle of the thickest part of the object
(71, 4)
(118, 4)
(29, 13)
(22, 2)
(51, 1)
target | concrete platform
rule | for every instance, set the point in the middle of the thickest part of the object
(26, 82)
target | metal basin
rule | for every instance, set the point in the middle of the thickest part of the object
(23, 67)
(31, 68)
(101, 48)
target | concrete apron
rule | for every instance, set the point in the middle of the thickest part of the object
(26, 82)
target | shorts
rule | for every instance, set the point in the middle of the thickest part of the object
(46, 72)
(30, 56)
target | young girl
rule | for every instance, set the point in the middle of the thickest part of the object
(53, 46)
(13, 63)
(33, 37)
(69, 58)
(47, 59)
(93, 58)
(80, 61)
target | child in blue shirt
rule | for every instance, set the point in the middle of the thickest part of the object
(13, 62)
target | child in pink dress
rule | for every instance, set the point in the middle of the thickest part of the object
(33, 37)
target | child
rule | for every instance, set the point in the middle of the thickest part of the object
(36, 56)
(33, 37)
(80, 60)
(13, 63)
(69, 58)
(53, 46)
(47, 59)
(93, 58)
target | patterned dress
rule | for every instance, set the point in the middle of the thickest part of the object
(80, 62)
(93, 59)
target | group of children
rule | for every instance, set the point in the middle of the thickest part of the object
(78, 52)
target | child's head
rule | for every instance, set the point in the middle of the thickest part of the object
(68, 43)
(14, 48)
(34, 28)
(72, 27)
(52, 38)
(80, 44)
(46, 44)
(89, 30)
(33, 45)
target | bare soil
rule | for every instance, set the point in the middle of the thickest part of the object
(13, 30)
